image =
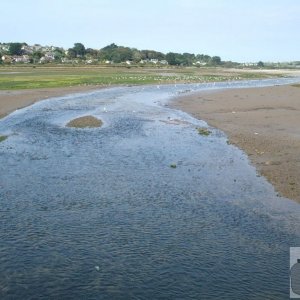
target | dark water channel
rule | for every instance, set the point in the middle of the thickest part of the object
(100, 214)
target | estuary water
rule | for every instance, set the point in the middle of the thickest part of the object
(101, 214)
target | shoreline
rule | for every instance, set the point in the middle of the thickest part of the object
(12, 100)
(263, 122)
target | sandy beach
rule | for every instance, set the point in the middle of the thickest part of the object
(264, 122)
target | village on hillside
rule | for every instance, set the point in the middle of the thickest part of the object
(22, 53)
(111, 54)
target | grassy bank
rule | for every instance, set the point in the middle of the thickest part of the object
(31, 77)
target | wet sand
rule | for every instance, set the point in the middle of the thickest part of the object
(85, 122)
(264, 122)
(11, 100)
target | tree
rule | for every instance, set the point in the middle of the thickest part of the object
(36, 56)
(151, 54)
(115, 57)
(15, 49)
(136, 55)
(58, 54)
(71, 53)
(107, 53)
(116, 53)
(260, 64)
(79, 49)
(178, 59)
(92, 53)
(188, 59)
(216, 60)
(203, 58)
(110, 47)
(159, 55)
(171, 58)
(125, 53)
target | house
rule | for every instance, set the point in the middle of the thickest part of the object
(65, 60)
(163, 62)
(199, 63)
(27, 49)
(37, 47)
(48, 57)
(249, 64)
(7, 58)
(91, 61)
(21, 59)
(47, 48)
(4, 47)
(154, 61)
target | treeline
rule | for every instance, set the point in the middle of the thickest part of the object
(109, 54)
(118, 54)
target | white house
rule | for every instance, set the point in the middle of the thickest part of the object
(21, 59)
(163, 62)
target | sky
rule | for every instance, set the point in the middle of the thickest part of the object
(236, 30)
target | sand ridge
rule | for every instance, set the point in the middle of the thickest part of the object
(85, 122)
(264, 122)
(11, 100)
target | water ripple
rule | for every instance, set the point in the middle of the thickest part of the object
(100, 214)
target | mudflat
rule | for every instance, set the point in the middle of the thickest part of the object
(264, 122)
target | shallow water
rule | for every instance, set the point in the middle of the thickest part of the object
(100, 214)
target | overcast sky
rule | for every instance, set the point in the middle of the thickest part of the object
(237, 30)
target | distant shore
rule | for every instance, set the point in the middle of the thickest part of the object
(264, 122)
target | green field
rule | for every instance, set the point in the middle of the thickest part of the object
(31, 77)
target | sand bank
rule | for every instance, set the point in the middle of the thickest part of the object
(85, 122)
(264, 122)
(12, 100)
